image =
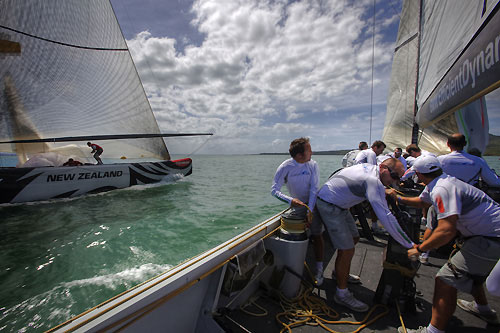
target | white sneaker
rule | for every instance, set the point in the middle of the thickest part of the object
(319, 277)
(471, 307)
(351, 302)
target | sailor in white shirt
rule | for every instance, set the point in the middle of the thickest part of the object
(370, 155)
(464, 166)
(398, 152)
(409, 161)
(461, 208)
(343, 190)
(349, 159)
(301, 176)
(381, 158)
(415, 153)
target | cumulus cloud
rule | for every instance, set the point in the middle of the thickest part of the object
(265, 71)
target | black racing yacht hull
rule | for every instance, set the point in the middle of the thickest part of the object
(45, 183)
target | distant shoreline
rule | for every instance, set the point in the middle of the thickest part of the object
(327, 152)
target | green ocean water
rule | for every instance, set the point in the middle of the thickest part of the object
(57, 259)
(60, 258)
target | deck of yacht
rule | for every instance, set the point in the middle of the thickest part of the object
(367, 263)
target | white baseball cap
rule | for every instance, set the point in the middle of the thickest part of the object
(426, 164)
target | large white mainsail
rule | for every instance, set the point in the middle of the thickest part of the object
(451, 62)
(73, 76)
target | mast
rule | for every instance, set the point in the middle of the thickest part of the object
(414, 133)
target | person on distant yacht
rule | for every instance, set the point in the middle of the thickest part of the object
(72, 162)
(301, 176)
(97, 151)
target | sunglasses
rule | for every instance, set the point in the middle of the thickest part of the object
(393, 174)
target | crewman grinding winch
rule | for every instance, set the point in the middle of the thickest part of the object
(343, 190)
(461, 208)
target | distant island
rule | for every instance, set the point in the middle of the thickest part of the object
(326, 152)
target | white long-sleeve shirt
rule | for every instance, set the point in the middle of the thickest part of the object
(366, 156)
(410, 173)
(301, 179)
(362, 182)
(468, 168)
(401, 159)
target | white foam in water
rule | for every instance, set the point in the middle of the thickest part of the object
(131, 275)
(167, 180)
(28, 310)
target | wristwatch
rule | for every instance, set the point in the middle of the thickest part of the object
(418, 249)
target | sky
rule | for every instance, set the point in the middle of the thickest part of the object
(259, 74)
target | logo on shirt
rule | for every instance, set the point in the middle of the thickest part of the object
(439, 203)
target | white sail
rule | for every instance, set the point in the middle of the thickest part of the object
(400, 101)
(458, 63)
(73, 75)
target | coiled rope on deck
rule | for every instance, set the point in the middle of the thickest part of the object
(310, 309)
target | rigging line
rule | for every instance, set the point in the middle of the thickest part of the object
(373, 65)
(135, 28)
(201, 146)
(397, 12)
(61, 43)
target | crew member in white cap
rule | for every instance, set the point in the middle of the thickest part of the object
(461, 208)
(464, 166)
(343, 190)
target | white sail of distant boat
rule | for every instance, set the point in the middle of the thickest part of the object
(446, 60)
(66, 74)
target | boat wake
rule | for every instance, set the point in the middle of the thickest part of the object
(167, 180)
(59, 304)
(128, 277)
